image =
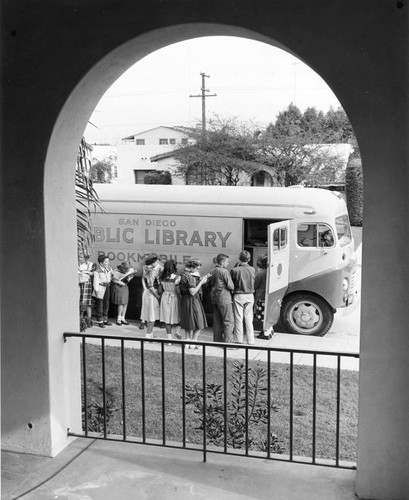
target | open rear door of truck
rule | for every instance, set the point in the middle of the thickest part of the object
(277, 270)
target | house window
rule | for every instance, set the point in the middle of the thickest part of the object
(184, 141)
(140, 142)
(163, 141)
(172, 141)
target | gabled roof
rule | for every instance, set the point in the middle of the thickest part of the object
(186, 130)
(163, 156)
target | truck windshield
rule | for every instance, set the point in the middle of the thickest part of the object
(343, 230)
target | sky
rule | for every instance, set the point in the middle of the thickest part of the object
(253, 81)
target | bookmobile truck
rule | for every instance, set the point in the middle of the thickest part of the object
(305, 232)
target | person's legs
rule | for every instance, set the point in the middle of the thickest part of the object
(217, 325)
(100, 307)
(227, 316)
(195, 337)
(124, 308)
(119, 315)
(238, 321)
(176, 331)
(105, 300)
(248, 321)
(150, 325)
(168, 328)
(89, 312)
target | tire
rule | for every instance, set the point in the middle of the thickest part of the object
(306, 314)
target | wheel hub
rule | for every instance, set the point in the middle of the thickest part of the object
(306, 316)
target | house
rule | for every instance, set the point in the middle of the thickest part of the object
(135, 152)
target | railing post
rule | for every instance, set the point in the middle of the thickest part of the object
(204, 404)
(123, 391)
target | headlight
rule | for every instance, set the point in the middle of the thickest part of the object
(345, 285)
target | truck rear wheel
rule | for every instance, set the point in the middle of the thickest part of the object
(306, 314)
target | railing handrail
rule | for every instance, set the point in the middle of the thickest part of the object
(212, 344)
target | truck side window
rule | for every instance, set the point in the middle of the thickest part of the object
(315, 235)
(280, 239)
(325, 236)
(276, 239)
(307, 235)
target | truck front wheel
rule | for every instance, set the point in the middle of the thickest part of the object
(306, 314)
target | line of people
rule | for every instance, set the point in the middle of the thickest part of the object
(176, 300)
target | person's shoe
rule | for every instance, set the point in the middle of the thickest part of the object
(119, 323)
(141, 326)
(101, 325)
(89, 323)
(107, 323)
(124, 322)
(264, 337)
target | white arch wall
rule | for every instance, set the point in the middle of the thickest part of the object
(367, 71)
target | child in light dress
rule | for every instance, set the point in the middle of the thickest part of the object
(170, 298)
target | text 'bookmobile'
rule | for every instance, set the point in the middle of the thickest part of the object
(306, 233)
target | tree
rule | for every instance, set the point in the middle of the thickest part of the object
(293, 145)
(354, 187)
(225, 156)
(291, 149)
(102, 171)
(87, 200)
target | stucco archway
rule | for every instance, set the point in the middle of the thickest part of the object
(59, 199)
(359, 48)
(72, 121)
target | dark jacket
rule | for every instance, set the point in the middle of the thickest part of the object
(243, 278)
(222, 286)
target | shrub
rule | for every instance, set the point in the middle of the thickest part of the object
(158, 177)
(354, 187)
(256, 411)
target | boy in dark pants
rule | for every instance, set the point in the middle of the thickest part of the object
(221, 288)
(102, 289)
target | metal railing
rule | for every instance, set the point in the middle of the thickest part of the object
(212, 393)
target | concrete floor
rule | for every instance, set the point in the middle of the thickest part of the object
(89, 469)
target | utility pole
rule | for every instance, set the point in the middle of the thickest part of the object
(203, 95)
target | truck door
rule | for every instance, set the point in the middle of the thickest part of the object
(277, 270)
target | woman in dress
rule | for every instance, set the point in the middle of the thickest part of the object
(192, 315)
(150, 298)
(85, 272)
(170, 298)
(259, 296)
(120, 291)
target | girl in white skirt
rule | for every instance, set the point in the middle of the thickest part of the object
(150, 298)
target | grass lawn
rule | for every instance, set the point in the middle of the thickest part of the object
(280, 397)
